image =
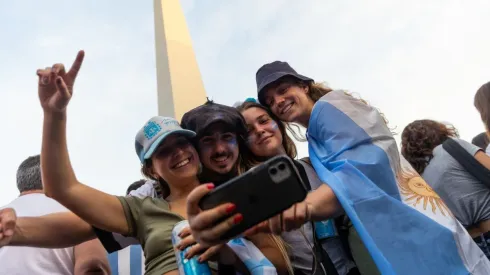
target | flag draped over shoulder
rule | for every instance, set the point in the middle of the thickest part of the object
(404, 224)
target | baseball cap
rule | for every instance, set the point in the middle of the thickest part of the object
(154, 132)
(200, 118)
(271, 72)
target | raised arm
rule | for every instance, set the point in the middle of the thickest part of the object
(60, 183)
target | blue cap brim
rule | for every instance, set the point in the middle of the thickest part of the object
(158, 141)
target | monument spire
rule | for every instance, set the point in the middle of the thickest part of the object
(179, 84)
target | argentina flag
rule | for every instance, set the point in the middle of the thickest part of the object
(404, 224)
(128, 261)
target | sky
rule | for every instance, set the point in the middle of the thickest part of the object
(410, 59)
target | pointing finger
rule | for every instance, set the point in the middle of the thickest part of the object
(77, 64)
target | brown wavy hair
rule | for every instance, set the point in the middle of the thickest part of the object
(482, 104)
(147, 171)
(316, 90)
(420, 138)
(287, 142)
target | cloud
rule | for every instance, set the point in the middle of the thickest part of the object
(412, 60)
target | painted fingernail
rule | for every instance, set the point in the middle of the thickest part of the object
(238, 218)
(210, 186)
(230, 208)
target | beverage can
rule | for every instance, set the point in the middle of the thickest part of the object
(191, 266)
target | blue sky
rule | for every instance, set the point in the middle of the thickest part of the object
(411, 59)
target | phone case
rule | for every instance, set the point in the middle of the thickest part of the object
(259, 194)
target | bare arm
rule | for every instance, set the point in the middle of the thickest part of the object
(323, 203)
(483, 158)
(58, 230)
(61, 184)
(55, 89)
(91, 258)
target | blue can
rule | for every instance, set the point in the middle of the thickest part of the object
(191, 266)
(325, 229)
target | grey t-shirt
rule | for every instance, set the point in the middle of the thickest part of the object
(302, 255)
(466, 197)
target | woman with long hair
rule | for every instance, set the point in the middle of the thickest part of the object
(268, 138)
(167, 156)
(467, 197)
(354, 152)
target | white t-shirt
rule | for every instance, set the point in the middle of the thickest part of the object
(30, 260)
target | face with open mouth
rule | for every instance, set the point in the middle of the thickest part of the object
(264, 136)
(289, 101)
(218, 149)
(175, 159)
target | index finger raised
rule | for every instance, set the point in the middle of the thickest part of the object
(77, 64)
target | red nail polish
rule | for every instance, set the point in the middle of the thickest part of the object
(210, 186)
(238, 218)
(230, 208)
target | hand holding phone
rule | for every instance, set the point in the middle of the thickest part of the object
(257, 195)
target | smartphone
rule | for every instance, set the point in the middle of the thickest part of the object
(259, 194)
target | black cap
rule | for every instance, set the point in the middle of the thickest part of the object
(481, 140)
(200, 118)
(271, 72)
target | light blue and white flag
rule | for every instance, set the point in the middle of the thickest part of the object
(252, 257)
(404, 224)
(128, 261)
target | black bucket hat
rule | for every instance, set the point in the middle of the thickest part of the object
(271, 72)
(200, 118)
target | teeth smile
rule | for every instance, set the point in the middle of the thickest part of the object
(182, 163)
(221, 159)
(287, 108)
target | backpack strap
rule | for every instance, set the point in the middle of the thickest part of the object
(325, 264)
(469, 163)
(342, 223)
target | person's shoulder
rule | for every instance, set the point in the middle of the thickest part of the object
(470, 148)
(146, 190)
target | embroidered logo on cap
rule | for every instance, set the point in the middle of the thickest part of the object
(151, 129)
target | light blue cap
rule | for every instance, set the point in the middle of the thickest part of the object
(154, 133)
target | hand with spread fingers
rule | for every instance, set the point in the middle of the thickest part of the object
(55, 85)
(8, 220)
(203, 223)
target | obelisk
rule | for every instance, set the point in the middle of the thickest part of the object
(179, 84)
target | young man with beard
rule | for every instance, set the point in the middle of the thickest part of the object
(220, 142)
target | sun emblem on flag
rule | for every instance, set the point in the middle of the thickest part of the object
(415, 190)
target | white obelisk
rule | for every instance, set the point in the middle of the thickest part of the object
(179, 84)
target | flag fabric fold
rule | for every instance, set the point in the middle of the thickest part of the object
(404, 224)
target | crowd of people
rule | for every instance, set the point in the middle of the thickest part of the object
(369, 210)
